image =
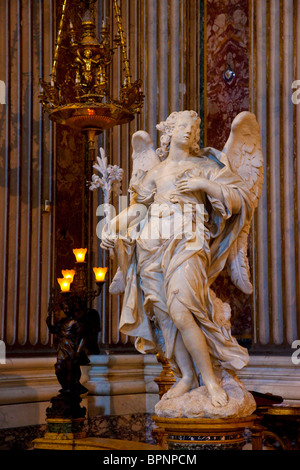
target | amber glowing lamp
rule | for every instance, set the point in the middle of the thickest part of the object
(68, 274)
(64, 284)
(80, 274)
(100, 274)
(80, 254)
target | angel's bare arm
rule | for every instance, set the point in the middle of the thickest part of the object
(130, 216)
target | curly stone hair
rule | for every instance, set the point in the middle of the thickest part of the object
(168, 126)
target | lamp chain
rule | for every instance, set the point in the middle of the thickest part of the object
(122, 41)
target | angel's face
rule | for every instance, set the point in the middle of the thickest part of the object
(184, 133)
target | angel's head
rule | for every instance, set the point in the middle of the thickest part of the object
(182, 125)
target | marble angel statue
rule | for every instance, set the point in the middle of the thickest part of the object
(189, 218)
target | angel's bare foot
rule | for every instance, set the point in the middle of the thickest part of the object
(181, 387)
(218, 396)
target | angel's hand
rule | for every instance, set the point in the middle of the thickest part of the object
(191, 184)
(108, 239)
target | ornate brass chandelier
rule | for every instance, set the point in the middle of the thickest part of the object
(79, 96)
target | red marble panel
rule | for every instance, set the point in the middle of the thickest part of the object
(227, 43)
(69, 212)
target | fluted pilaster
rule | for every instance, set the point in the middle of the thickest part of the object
(276, 54)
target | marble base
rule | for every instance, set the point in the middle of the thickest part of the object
(197, 402)
(206, 434)
(136, 426)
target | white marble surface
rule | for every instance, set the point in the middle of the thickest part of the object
(272, 374)
(24, 380)
(197, 403)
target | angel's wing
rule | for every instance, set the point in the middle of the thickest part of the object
(243, 151)
(144, 156)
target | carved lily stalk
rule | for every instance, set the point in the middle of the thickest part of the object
(109, 181)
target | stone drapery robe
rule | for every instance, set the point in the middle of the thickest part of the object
(183, 265)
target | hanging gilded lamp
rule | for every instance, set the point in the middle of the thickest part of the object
(80, 97)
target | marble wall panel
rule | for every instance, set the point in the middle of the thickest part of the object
(227, 45)
(69, 200)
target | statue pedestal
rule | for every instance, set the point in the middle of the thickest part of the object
(65, 429)
(206, 434)
(61, 433)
